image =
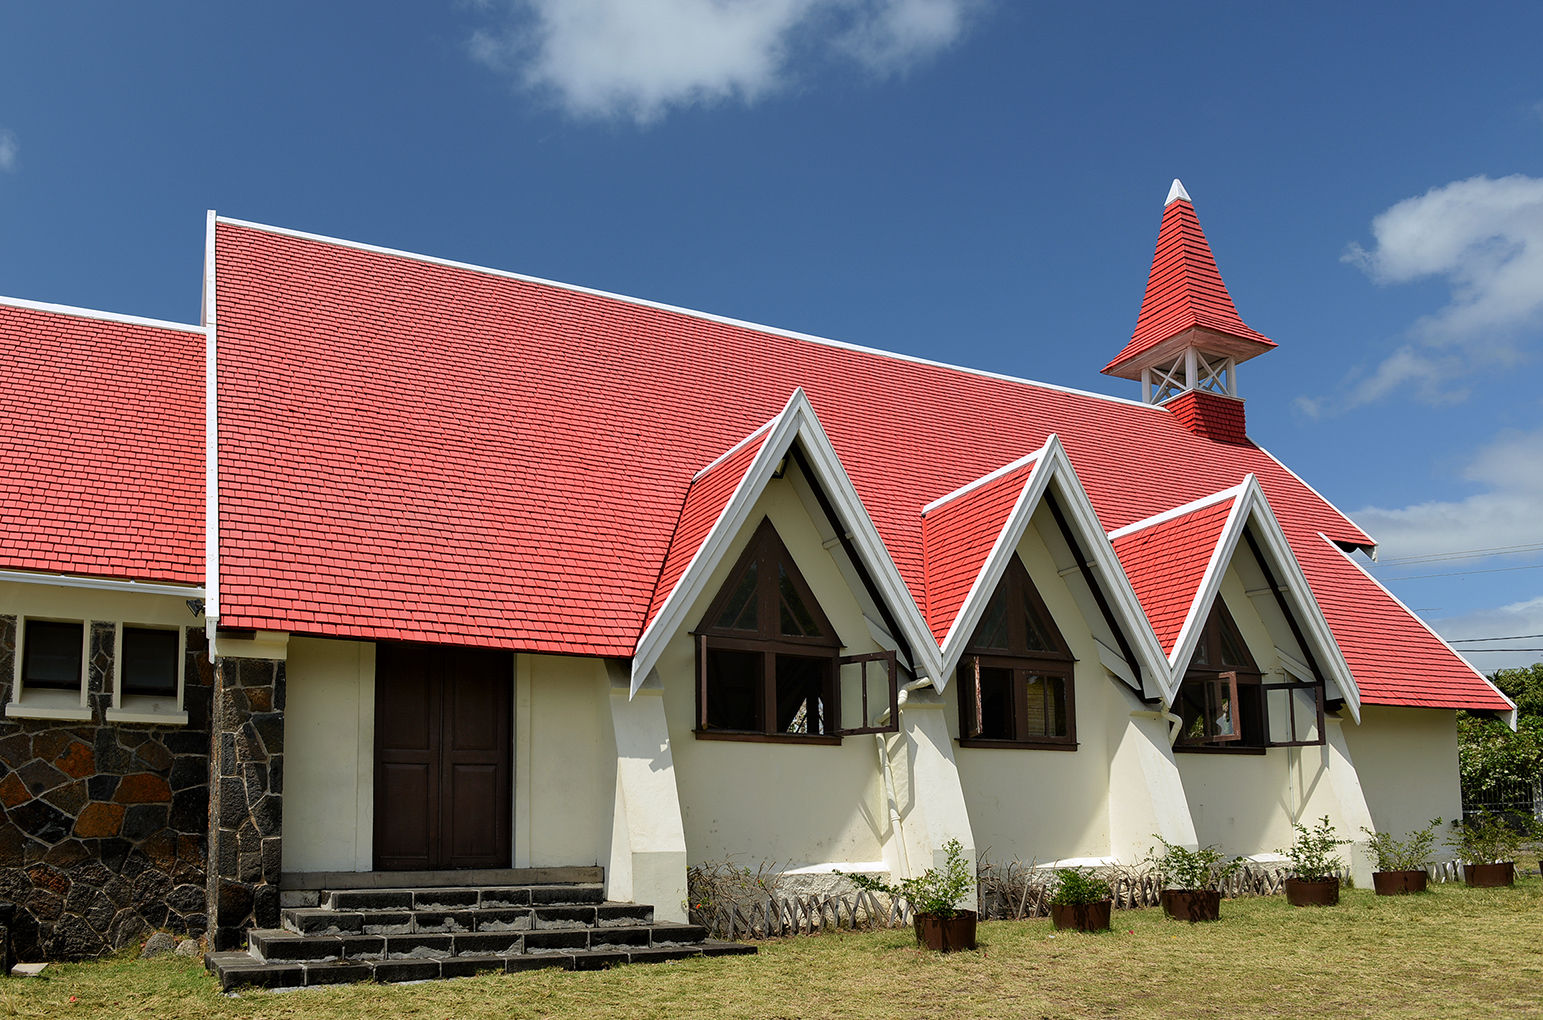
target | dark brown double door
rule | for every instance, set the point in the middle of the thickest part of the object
(442, 726)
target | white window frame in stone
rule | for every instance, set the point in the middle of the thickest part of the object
(49, 704)
(145, 708)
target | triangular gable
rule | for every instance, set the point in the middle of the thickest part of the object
(797, 423)
(1166, 557)
(1248, 506)
(1051, 471)
(709, 493)
(958, 533)
(1381, 636)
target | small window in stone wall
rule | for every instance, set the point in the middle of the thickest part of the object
(50, 677)
(149, 662)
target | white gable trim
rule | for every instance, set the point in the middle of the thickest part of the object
(797, 421)
(1053, 466)
(985, 479)
(1252, 506)
(1511, 716)
(90, 313)
(1176, 512)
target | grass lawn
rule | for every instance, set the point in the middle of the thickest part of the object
(1455, 952)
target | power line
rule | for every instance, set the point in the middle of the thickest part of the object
(1473, 650)
(1461, 573)
(1509, 637)
(1466, 554)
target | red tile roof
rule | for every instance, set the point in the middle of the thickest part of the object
(102, 443)
(1184, 289)
(1167, 561)
(958, 535)
(411, 448)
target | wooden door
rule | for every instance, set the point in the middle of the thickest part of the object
(442, 757)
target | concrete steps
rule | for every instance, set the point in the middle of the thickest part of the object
(427, 932)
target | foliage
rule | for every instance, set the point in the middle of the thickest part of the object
(1180, 868)
(1407, 854)
(1490, 756)
(722, 885)
(1524, 686)
(1312, 853)
(936, 892)
(1076, 885)
(1490, 837)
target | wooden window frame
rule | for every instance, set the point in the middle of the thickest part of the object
(1317, 688)
(29, 701)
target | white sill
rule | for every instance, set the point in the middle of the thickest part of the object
(142, 709)
(22, 710)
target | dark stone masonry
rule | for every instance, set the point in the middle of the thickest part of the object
(104, 828)
(244, 841)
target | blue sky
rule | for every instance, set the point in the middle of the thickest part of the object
(976, 181)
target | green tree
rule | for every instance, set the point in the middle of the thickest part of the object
(1523, 685)
(1490, 755)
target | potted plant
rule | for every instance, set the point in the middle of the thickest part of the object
(1401, 862)
(1314, 880)
(934, 898)
(1488, 844)
(1081, 901)
(1191, 879)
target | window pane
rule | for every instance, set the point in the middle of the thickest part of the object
(150, 662)
(739, 613)
(52, 657)
(992, 632)
(1047, 706)
(1232, 651)
(1306, 699)
(803, 694)
(1035, 633)
(996, 703)
(797, 621)
(733, 689)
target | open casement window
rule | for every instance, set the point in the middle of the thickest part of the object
(1295, 713)
(769, 663)
(1015, 679)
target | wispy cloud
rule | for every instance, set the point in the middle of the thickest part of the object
(1484, 238)
(9, 149)
(1516, 621)
(626, 59)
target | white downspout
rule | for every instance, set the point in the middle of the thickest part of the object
(886, 771)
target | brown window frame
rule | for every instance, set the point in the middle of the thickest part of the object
(767, 551)
(1056, 663)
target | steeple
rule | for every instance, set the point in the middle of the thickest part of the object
(1189, 338)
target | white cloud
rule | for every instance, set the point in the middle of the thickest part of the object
(1484, 238)
(1505, 514)
(8, 150)
(1514, 621)
(626, 58)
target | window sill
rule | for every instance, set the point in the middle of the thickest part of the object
(136, 715)
(766, 738)
(22, 710)
(1191, 749)
(1019, 745)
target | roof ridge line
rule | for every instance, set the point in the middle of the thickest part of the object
(1183, 510)
(985, 479)
(676, 309)
(740, 445)
(78, 312)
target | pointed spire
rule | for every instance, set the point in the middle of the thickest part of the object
(1186, 302)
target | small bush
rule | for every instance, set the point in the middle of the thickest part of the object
(1408, 854)
(1312, 854)
(1075, 885)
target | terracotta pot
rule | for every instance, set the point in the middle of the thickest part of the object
(1322, 892)
(1192, 904)
(1397, 883)
(1081, 916)
(1490, 876)
(946, 934)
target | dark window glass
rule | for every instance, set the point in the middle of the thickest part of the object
(736, 690)
(149, 662)
(992, 632)
(797, 621)
(739, 612)
(803, 694)
(52, 657)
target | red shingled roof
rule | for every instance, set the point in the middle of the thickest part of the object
(1184, 289)
(102, 442)
(1167, 561)
(417, 449)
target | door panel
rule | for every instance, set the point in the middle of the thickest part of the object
(442, 773)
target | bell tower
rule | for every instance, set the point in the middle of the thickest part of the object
(1189, 338)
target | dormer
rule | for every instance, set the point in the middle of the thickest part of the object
(1189, 338)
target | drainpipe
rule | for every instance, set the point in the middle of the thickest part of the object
(1174, 723)
(886, 771)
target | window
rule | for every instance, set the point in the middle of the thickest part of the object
(49, 680)
(1015, 680)
(769, 662)
(1224, 703)
(149, 673)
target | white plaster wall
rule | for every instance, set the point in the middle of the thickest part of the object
(1407, 762)
(796, 805)
(65, 603)
(565, 762)
(1046, 805)
(329, 742)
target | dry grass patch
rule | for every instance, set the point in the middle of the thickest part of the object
(1453, 953)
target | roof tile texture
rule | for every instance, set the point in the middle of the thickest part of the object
(1166, 563)
(956, 539)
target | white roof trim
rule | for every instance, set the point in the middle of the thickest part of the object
(211, 437)
(91, 313)
(797, 421)
(1177, 194)
(1327, 502)
(985, 479)
(186, 591)
(1511, 719)
(731, 451)
(1177, 512)
(1054, 466)
(680, 310)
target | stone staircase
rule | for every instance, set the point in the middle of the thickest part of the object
(418, 934)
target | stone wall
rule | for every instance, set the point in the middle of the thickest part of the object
(104, 828)
(244, 841)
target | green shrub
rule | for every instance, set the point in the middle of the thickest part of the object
(1178, 867)
(935, 892)
(1408, 854)
(1490, 837)
(1312, 854)
(1075, 885)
